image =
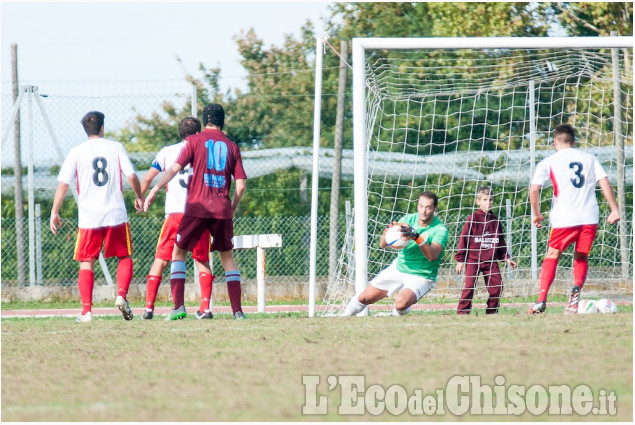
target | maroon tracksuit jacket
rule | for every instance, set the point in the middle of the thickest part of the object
(481, 246)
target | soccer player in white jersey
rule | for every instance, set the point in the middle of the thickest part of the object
(574, 212)
(96, 165)
(176, 193)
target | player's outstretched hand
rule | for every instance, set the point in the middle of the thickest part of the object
(410, 233)
(537, 220)
(613, 217)
(511, 263)
(459, 268)
(55, 223)
(149, 200)
(138, 205)
(389, 225)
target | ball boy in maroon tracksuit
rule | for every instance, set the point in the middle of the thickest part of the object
(481, 246)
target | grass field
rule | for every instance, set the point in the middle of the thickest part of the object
(224, 370)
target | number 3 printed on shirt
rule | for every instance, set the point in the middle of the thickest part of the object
(578, 181)
(216, 155)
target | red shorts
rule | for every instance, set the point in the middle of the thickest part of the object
(168, 236)
(191, 228)
(116, 240)
(583, 237)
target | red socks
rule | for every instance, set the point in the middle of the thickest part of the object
(152, 287)
(124, 276)
(547, 275)
(205, 280)
(86, 283)
(580, 269)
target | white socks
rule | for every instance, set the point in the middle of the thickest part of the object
(396, 312)
(353, 307)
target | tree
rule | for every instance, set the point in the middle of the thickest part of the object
(593, 19)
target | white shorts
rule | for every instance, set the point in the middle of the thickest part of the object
(392, 280)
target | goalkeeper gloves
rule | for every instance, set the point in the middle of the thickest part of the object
(388, 226)
(410, 233)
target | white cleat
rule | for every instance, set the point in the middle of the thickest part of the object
(85, 318)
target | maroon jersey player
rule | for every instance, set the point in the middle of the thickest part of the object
(481, 247)
(215, 160)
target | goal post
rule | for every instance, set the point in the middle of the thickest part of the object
(401, 83)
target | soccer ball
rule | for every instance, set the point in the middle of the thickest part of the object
(606, 306)
(587, 307)
(395, 239)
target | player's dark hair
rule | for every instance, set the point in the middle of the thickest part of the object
(565, 133)
(189, 126)
(484, 190)
(430, 195)
(214, 114)
(93, 122)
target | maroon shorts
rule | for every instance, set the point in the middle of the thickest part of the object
(167, 237)
(583, 237)
(191, 228)
(116, 241)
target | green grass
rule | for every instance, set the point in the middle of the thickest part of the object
(75, 304)
(224, 370)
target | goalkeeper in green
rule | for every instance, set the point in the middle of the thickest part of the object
(414, 272)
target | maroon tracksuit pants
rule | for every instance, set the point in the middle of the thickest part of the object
(493, 282)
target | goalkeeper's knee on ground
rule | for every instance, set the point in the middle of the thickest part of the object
(396, 312)
(353, 307)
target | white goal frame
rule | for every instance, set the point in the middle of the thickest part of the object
(360, 133)
(360, 142)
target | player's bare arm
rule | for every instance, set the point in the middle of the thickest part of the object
(148, 178)
(164, 180)
(241, 186)
(431, 251)
(136, 188)
(534, 198)
(607, 191)
(56, 221)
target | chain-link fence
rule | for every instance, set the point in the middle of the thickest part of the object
(50, 126)
(287, 264)
(279, 178)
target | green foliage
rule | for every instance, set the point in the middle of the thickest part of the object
(276, 109)
(594, 18)
(10, 171)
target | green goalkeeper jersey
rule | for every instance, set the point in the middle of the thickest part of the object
(411, 260)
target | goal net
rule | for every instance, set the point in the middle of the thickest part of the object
(451, 119)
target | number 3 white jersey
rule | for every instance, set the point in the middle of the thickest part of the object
(176, 189)
(97, 165)
(573, 174)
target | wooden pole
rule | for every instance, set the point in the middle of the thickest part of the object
(337, 162)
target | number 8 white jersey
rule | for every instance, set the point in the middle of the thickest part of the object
(97, 165)
(176, 189)
(573, 174)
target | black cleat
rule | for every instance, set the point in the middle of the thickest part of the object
(538, 308)
(147, 315)
(122, 304)
(205, 315)
(239, 315)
